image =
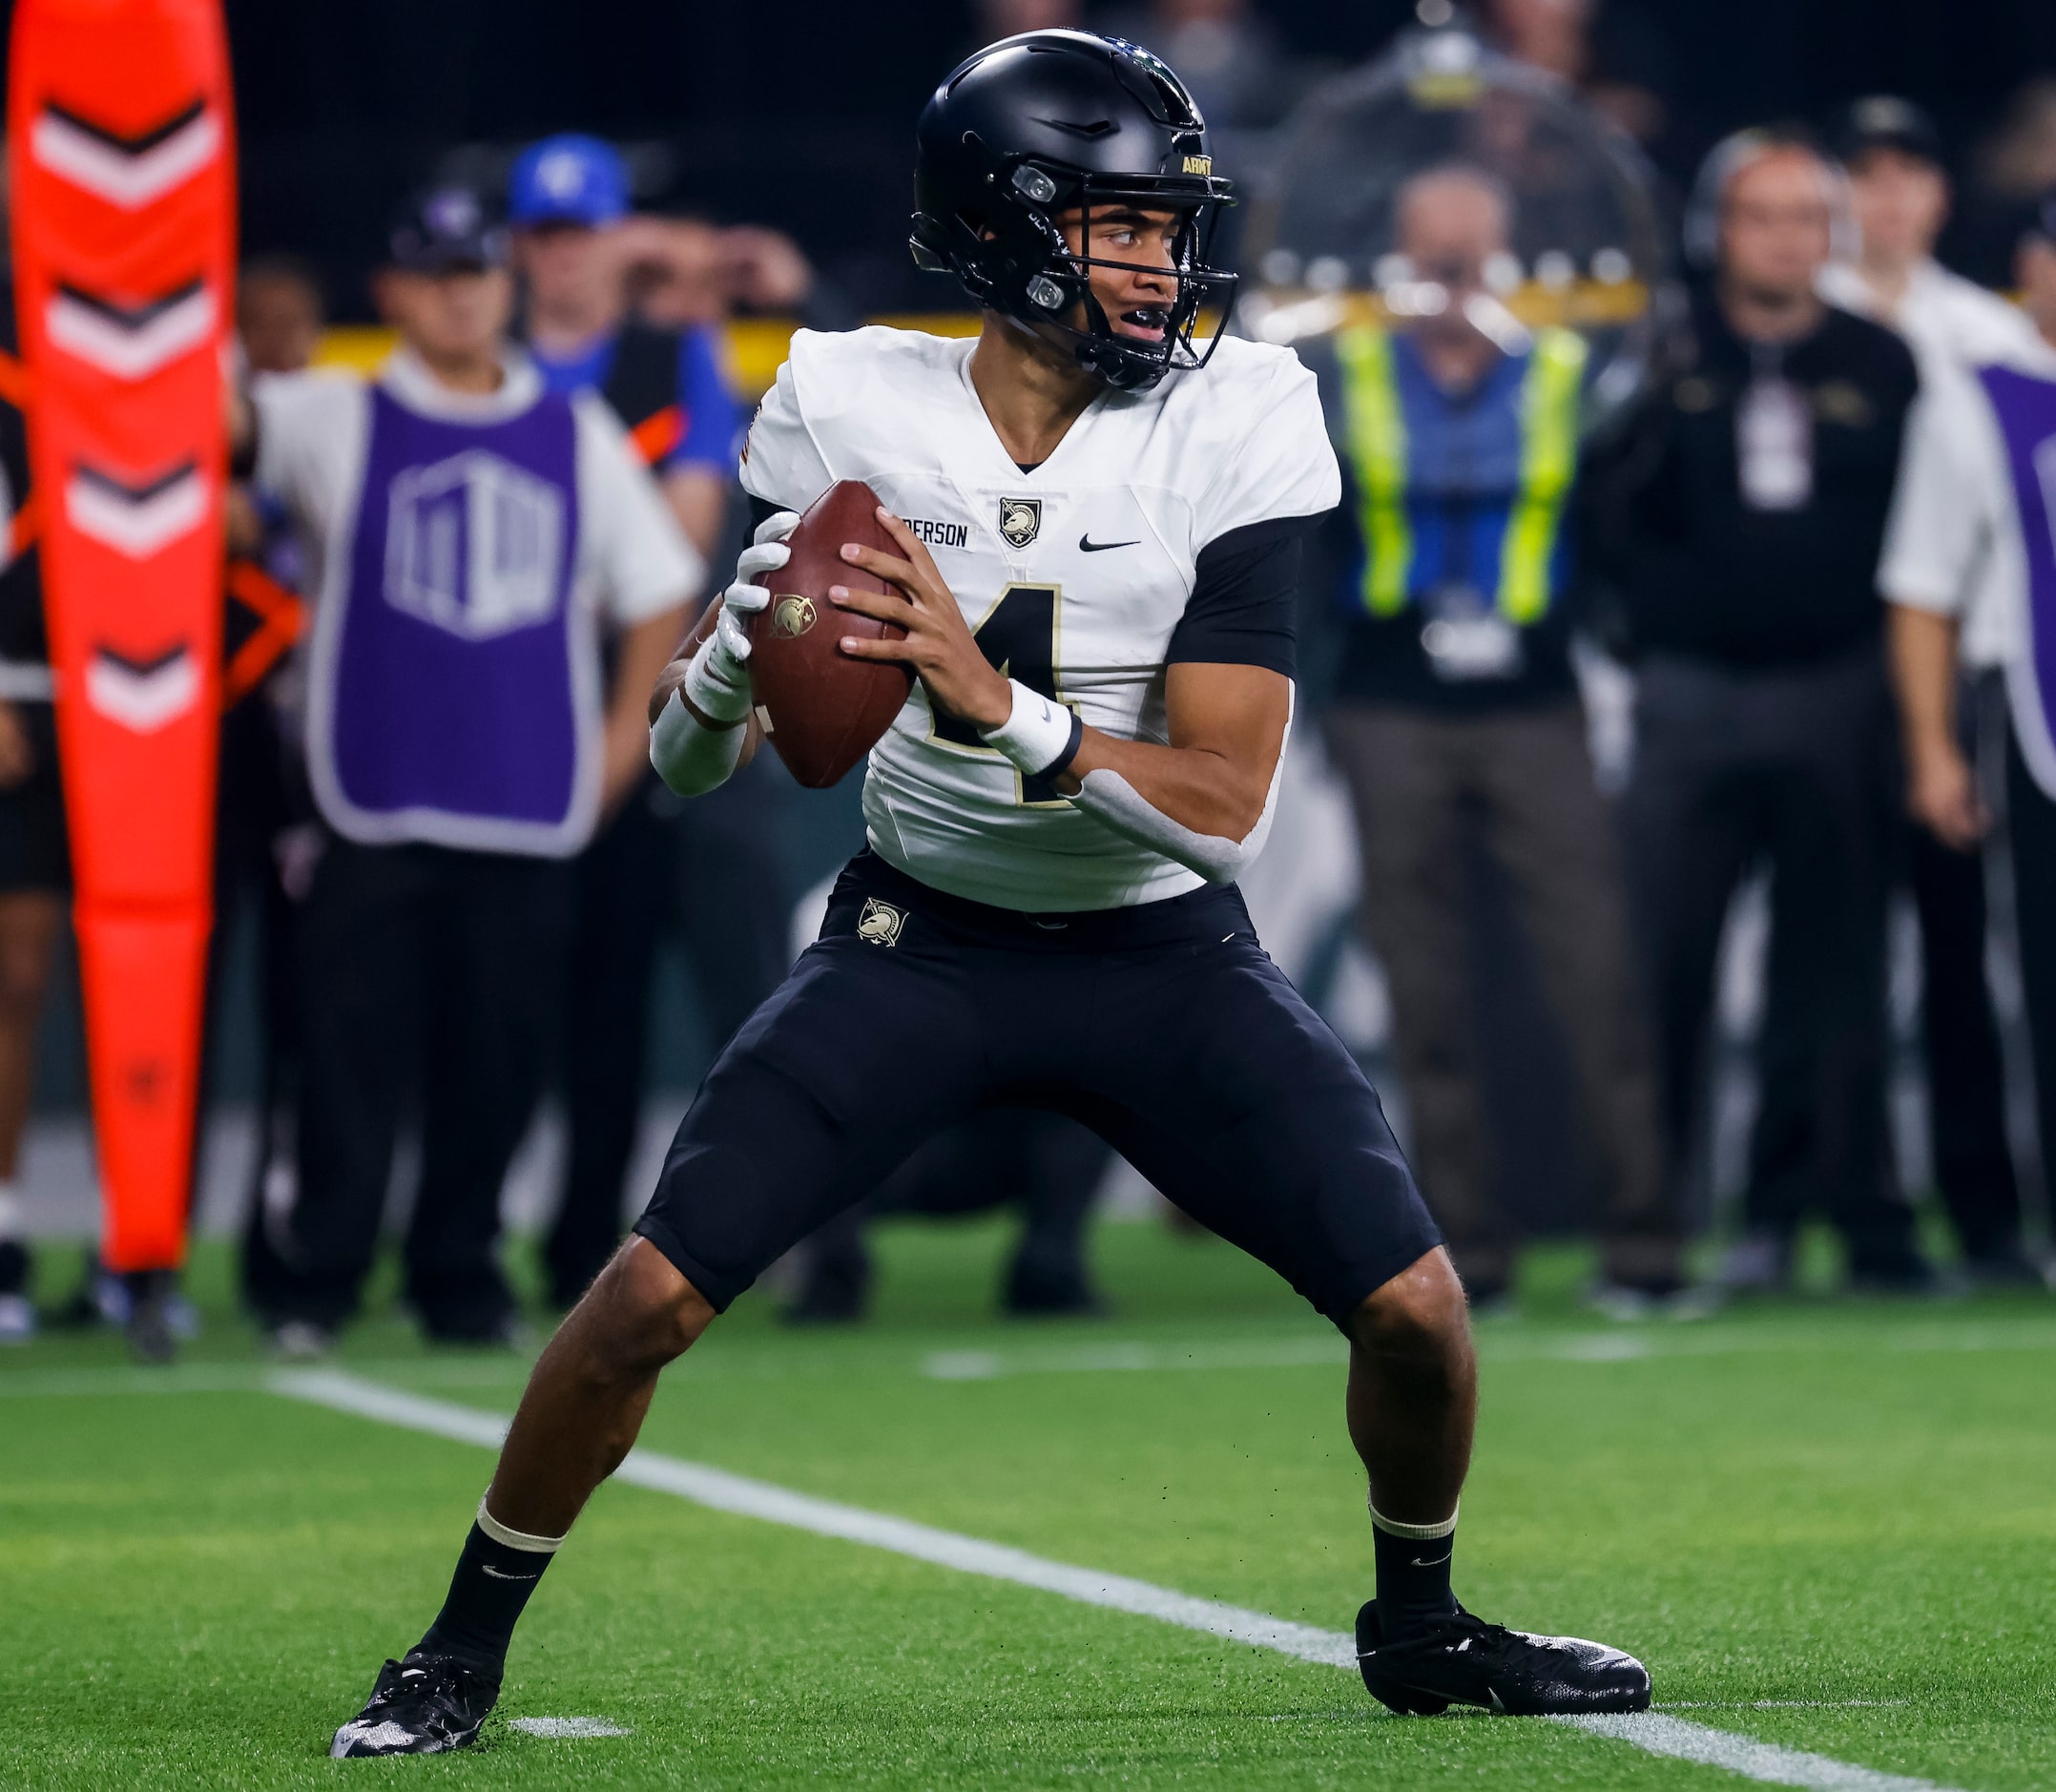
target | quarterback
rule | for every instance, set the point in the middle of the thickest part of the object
(1099, 516)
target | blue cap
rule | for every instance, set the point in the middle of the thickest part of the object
(568, 180)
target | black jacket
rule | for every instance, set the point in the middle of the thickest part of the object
(1698, 572)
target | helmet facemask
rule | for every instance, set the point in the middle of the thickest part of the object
(1061, 284)
(1016, 261)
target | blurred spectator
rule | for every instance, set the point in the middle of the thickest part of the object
(2010, 169)
(579, 253)
(1611, 56)
(1230, 58)
(1456, 699)
(35, 866)
(1969, 569)
(263, 815)
(682, 273)
(2017, 162)
(1740, 511)
(568, 207)
(1899, 197)
(279, 313)
(467, 531)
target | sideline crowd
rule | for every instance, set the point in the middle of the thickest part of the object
(1804, 537)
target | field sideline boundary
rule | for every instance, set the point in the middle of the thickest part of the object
(1656, 1733)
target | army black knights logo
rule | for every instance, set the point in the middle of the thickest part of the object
(881, 922)
(1020, 520)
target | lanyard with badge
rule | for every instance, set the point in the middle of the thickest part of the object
(1774, 436)
(1464, 635)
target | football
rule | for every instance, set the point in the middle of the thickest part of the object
(824, 710)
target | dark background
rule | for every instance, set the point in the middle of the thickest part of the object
(799, 112)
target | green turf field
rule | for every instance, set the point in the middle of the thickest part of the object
(1829, 1527)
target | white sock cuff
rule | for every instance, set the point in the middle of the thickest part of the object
(1417, 1534)
(516, 1539)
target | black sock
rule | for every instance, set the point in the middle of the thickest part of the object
(491, 1584)
(1413, 1580)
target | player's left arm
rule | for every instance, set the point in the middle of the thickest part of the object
(1202, 800)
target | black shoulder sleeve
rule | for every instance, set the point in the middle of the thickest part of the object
(1245, 599)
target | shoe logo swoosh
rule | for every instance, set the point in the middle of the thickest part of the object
(1087, 545)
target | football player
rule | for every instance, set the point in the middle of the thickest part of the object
(1098, 515)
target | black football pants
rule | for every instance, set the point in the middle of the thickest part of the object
(428, 978)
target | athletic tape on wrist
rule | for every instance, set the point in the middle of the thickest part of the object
(1038, 736)
(1416, 1533)
(514, 1539)
(690, 757)
(718, 695)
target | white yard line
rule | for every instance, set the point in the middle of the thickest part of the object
(1625, 1346)
(722, 1491)
(1744, 1755)
(566, 1726)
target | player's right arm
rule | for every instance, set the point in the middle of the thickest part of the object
(701, 723)
(700, 726)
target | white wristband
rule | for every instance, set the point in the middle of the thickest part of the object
(1036, 733)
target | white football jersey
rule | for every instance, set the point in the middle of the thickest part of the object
(1074, 575)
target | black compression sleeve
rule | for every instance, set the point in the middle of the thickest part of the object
(761, 509)
(1245, 597)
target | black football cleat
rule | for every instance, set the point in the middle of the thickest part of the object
(1466, 1661)
(425, 1705)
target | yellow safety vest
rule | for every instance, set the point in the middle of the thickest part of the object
(1376, 432)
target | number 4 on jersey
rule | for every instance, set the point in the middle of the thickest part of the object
(1018, 638)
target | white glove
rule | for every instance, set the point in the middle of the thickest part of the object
(717, 682)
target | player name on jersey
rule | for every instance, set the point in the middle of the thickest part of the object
(940, 534)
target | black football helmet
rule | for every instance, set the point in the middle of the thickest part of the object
(1060, 121)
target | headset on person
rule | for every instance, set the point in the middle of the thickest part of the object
(1744, 148)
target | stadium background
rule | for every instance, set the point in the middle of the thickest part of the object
(342, 111)
(1829, 1524)
(342, 108)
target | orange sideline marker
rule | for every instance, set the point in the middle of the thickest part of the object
(121, 163)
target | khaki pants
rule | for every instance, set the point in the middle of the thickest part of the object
(1525, 774)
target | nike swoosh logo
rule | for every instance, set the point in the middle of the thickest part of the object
(1417, 1562)
(497, 1575)
(1087, 545)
